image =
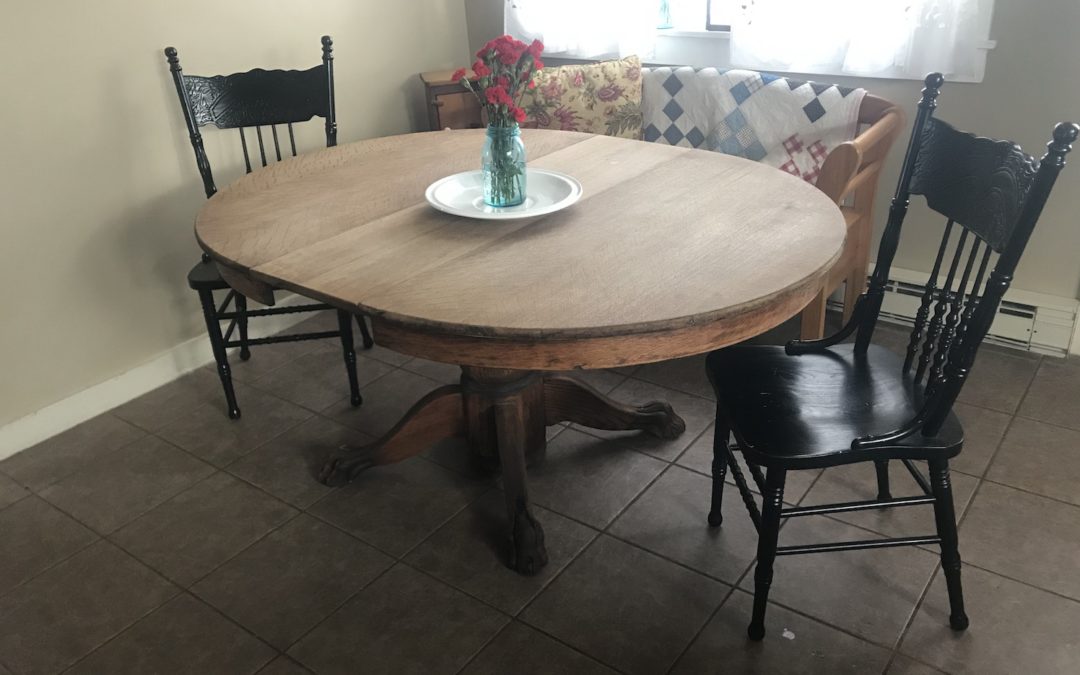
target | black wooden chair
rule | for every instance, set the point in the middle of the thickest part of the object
(256, 99)
(824, 403)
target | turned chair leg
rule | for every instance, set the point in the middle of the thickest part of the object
(768, 535)
(242, 325)
(945, 515)
(345, 328)
(217, 344)
(881, 466)
(719, 469)
(365, 335)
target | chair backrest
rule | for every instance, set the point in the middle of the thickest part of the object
(991, 194)
(257, 98)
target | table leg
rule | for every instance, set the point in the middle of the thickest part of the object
(504, 414)
(437, 416)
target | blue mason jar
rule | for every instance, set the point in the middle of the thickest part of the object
(503, 161)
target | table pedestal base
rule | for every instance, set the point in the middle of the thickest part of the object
(504, 415)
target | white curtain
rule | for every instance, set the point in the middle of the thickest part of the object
(892, 38)
(586, 28)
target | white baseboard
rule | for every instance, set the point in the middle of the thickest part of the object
(1074, 345)
(183, 358)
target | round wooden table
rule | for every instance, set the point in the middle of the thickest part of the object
(670, 252)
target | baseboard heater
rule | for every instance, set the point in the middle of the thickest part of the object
(1033, 322)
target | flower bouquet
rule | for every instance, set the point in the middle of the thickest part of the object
(503, 70)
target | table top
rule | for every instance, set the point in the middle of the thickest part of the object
(670, 251)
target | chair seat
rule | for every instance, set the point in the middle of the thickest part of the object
(801, 412)
(205, 275)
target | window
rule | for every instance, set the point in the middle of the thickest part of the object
(902, 39)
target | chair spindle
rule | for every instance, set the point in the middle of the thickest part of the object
(243, 144)
(262, 148)
(277, 146)
(936, 323)
(972, 299)
(292, 140)
(952, 321)
(927, 298)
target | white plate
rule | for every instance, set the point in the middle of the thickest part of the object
(463, 195)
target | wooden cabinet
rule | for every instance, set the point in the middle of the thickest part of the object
(449, 104)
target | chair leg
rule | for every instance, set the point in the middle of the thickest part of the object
(768, 535)
(217, 344)
(853, 288)
(719, 469)
(945, 515)
(813, 318)
(364, 334)
(881, 466)
(345, 328)
(242, 325)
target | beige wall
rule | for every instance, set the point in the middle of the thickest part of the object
(99, 186)
(1030, 84)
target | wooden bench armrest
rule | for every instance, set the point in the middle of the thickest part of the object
(853, 164)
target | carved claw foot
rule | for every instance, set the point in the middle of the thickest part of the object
(660, 420)
(341, 469)
(527, 552)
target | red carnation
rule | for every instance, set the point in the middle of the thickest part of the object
(458, 74)
(497, 96)
(481, 69)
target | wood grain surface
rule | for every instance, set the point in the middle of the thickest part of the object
(670, 251)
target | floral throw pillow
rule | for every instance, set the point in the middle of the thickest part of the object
(602, 98)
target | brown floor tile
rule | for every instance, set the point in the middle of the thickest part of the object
(697, 412)
(470, 553)
(686, 375)
(522, 650)
(55, 619)
(202, 527)
(670, 519)
(1014, 629)
(443, 373)
(793, 644)
(999, 380)
(983, 430)
(1055, 393)
(1040, 458)
(389, 356)
(858, 482)
(868, 593)
(396, 506)
(126, 484)
(267, 358)
(699, 458)
(283, 665)
(318, 379)
(1024, 536)
(170, 402)
(287, 466)
(626, 607)
(10, 492)
(209, 434)
(385, 402)
(35, 536)
(590, 479)
(405, 622)
(181, 636)
(291, 580)
(67, 452)
(902, 665)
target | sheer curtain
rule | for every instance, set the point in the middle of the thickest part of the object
(586, 28)
(892, 38)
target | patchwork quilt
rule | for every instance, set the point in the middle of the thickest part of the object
(789, 124)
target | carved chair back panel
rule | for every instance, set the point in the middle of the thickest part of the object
(258, 97)
(977, 182)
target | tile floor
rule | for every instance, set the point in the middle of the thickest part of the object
(163, 538)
